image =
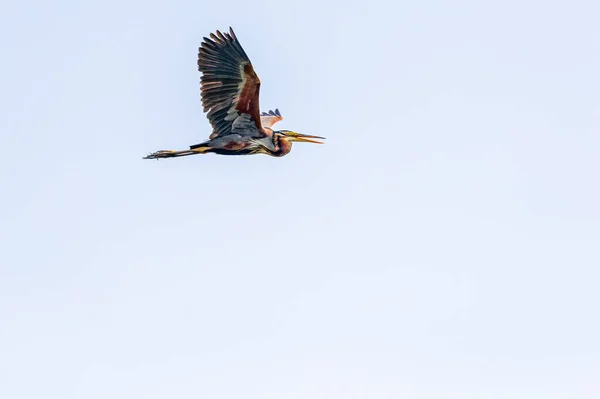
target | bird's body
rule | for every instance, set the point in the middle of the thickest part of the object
(230, 96)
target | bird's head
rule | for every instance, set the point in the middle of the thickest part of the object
(290, 136)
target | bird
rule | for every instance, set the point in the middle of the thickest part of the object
(229, 89)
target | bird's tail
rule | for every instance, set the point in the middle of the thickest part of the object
(173, 154)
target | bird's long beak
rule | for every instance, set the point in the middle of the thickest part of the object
(304, 138)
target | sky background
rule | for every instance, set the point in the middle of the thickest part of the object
(444, 243)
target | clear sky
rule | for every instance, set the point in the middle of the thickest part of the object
(444, 243)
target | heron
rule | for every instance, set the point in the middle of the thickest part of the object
(229, 88)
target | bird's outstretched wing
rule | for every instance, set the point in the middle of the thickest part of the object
(229, 86)
(268, 119)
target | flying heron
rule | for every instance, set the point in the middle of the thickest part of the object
(230, 90)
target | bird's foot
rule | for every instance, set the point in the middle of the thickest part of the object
(161, 154)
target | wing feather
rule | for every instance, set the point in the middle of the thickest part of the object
(268, 119)
(230, 87)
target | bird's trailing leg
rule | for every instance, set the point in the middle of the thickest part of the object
(173, 154)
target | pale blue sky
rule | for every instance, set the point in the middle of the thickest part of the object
(444, 243)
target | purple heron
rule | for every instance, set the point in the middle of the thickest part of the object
(230, 96)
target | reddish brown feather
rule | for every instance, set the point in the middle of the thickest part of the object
(235, 146)
(248, 102)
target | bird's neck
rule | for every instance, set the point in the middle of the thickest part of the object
(283, 147)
